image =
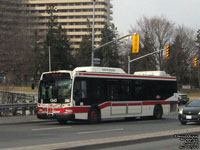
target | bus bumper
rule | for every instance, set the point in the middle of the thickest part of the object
(65, 116)
(56, 116)
(45, 116)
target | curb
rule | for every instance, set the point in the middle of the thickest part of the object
(109, 142)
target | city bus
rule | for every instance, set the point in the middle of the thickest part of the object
(96, 93)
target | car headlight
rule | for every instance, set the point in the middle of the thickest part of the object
(181, 111)
(199, 113)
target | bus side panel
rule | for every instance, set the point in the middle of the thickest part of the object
(147, 110)
(166, 109)
(106, 112)
(118, 108)
(134, 108)
(81, 116)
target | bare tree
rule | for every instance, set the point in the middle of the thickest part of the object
(160, 30)
(182, 51)
(15, 41)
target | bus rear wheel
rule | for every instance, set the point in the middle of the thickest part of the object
(94, 116)
(158, 112)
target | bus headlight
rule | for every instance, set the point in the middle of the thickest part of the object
(67, 100)
(181, 111)
(40, 110)
(68, 110)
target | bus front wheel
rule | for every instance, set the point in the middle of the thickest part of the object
(94, 115)
(158, 112)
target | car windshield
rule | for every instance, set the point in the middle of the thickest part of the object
(194, 103)
(55, 88)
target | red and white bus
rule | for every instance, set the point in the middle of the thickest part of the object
(96, 93)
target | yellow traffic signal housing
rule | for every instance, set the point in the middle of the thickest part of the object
(136, 43)
(167, 51)
(195, 62)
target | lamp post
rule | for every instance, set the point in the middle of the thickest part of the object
(49, 58)
(92, 56)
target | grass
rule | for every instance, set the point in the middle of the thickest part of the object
(193, 93)
(18, 89)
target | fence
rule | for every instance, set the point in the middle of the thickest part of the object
(14, 109)
(15, 103)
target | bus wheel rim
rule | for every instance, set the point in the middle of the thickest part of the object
(93, 115)
(158, 112)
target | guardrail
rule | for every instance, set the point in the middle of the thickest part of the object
(15, 108)
(17, 97)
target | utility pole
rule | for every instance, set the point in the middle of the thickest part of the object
(93, 34)
(49, 58)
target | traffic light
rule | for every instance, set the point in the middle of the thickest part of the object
(195, 62)
(136, 43)
(167, 51)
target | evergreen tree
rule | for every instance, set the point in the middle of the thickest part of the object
(83, 56)
(58, 43)
(178, 65)
(61, 53)
(109, 54)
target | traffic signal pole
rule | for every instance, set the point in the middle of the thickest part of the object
(94, 49)
(129, 61)
(120, 38)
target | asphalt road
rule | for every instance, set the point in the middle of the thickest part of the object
(44, 133)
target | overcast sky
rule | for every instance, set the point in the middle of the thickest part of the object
(181, 12)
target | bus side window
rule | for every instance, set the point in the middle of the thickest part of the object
(113, 89)
(96, 91)
(125, 90)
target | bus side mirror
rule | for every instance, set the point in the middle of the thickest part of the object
(32, 86)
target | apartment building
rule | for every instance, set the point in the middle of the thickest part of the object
(73, 15)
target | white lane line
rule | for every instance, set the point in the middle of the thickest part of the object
(40, 129)
(111, 130)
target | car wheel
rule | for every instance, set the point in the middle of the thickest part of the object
(183, 122)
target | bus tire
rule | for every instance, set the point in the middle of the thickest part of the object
(94, 115)
(157, 112)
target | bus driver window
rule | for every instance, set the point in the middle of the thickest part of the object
(80, 92)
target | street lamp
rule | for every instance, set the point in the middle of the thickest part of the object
(92, 56)
(49, 48)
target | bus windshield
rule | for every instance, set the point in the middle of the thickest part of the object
(55, 88)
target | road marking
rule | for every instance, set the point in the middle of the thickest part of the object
(40, 129)
(111, 130)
